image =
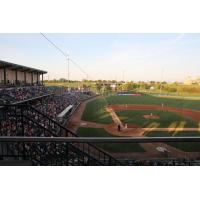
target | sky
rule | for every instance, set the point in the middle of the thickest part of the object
(116, 56)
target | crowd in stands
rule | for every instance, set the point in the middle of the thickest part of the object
(16, 94)
(50, 106)
(36, 122)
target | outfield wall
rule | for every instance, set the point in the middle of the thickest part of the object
(129, 94)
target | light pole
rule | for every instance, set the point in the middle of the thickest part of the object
(161, 81)
(68, 71)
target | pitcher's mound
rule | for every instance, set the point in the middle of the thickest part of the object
(151, 116)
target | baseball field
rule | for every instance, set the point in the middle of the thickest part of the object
(143, 116)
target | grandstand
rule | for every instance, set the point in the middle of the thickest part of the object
(28, 109)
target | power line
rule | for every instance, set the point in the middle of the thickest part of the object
(67, 56)
(61, 51)
(80, 68)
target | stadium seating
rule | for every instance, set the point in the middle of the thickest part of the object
(50, 105)
(37, 117)
(16, 94)
(35, 113)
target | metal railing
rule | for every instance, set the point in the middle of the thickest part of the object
(52, 151)
(26, 116)
(69, 150)
(100, 139)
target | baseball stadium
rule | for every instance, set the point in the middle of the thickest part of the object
(97, 122)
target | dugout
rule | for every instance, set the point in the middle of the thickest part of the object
(65, 112)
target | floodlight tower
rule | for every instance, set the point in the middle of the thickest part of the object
(161, 80)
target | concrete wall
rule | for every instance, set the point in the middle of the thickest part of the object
(34, 78)
(10, 75)
(28, 77)
(20, 76)
(1, 76)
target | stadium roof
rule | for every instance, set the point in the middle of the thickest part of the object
(22, 68)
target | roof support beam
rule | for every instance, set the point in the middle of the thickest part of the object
(42, 80)
(16, 78)
(25, 77)
(32, 78)
(4, 75)
(37, 78)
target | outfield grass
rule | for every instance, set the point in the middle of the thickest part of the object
(152, 100)
(95, 112)
(167, 119)
(112, 147)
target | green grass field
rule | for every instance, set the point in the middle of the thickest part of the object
(167, 119)
(95, 112)
(112, 148)
(153, 100)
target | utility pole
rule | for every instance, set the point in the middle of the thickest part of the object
(68, 71)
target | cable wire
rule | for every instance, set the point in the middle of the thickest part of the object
(66, 55)
(61, 51)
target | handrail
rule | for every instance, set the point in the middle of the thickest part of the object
(32, 99)
(52, 120)
(25, 101)
(64, 128)
(100, 139)
(72, 133)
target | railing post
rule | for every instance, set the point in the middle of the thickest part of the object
(22, 120)
(23, 133)
(67, 153)
(110, 161)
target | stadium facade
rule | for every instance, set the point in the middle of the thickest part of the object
(15, 74)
